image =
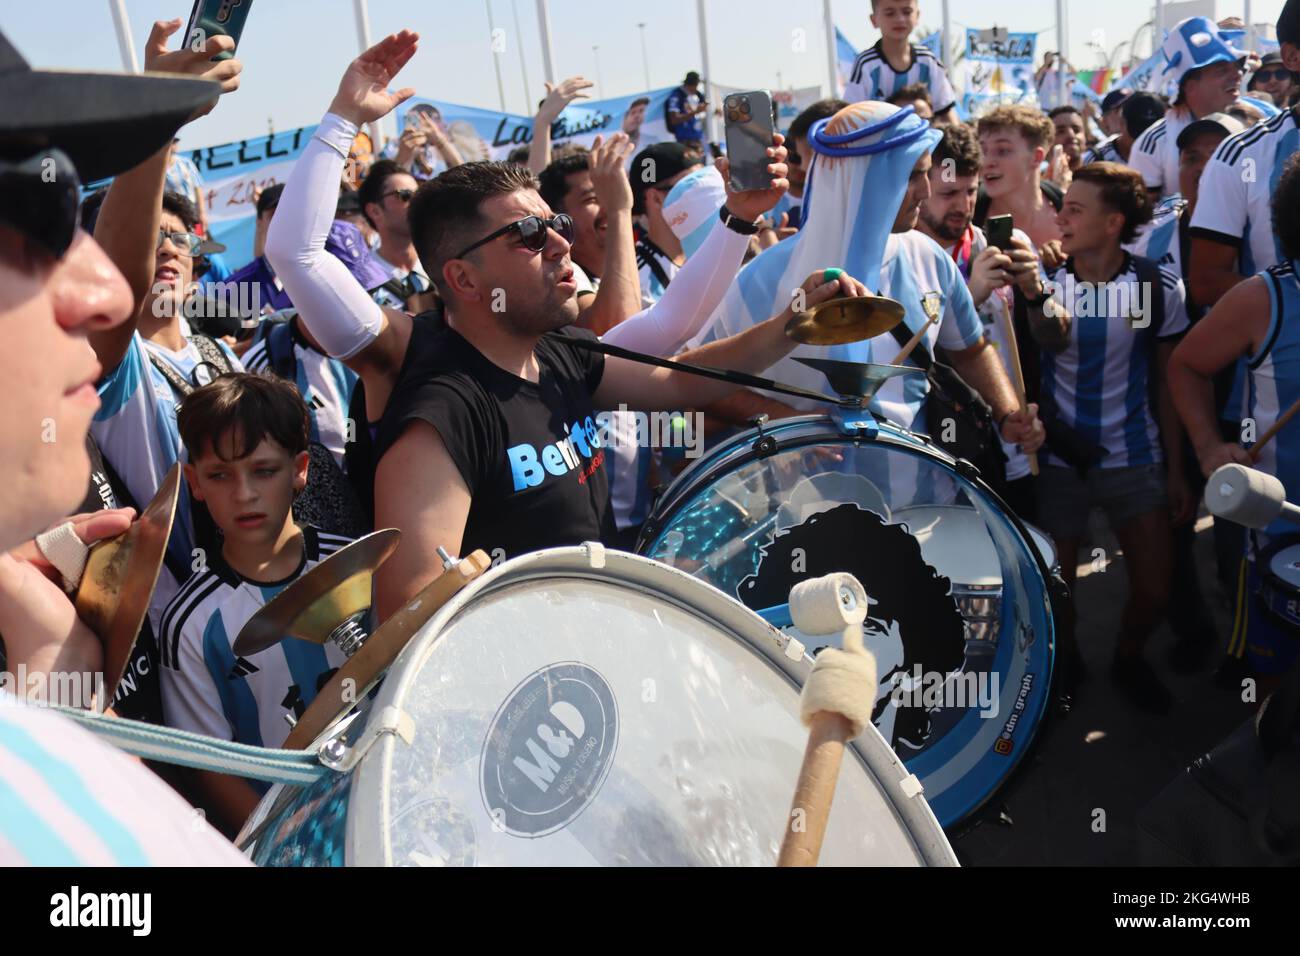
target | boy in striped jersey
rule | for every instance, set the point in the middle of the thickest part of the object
(894, 62)
(1105, 338)
(1259, 320)
(247, 436)
(1208, 69)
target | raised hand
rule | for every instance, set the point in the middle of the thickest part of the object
(558, 97)
(609, 175)
(196, 64)
(752, 203)
(363, 95)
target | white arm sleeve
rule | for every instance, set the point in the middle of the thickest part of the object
(340, 314)
(690, 299)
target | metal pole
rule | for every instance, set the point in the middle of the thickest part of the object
(600, 83)
(1250, 28)
(496, 58)
(1061, 95)
(523, 66)
(548, 51)
(832, 50)
(1158, 29)
(645, 57)
(712, 125)
(123, 25)
(945, 36)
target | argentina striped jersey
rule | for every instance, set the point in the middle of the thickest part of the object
(873, 78)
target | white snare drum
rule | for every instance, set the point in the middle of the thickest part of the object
(955, 542)
(588, 707)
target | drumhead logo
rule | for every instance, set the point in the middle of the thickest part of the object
(548, 749)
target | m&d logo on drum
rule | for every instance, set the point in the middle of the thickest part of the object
(1003, 746)
(548, 749)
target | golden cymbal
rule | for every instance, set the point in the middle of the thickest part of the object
(312, 607)
(113, 596)
(362, 671)
(844, 320)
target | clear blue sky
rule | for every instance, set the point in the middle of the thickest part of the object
(294, 50)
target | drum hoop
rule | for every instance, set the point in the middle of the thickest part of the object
(596, 563)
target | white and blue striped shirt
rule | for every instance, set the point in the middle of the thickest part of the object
(1104, 152)
(1159, 239)
(1155, 152)
(210, 690)
(1101, 382)
(69, 799)
(873, 78)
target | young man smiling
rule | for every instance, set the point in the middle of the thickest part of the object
(1014, 141)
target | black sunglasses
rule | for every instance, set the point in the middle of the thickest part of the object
(1279, 73)
(533, 232)
(41, 198)
(403, 194)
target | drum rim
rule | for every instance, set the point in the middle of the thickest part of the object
(812, 429)
(595, 562)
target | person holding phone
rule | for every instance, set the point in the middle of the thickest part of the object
(684, 110)
(425, 148)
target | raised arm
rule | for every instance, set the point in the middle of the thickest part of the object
(339, 313)
(128, 221)
(557, 98)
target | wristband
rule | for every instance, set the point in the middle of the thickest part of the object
(736, 224)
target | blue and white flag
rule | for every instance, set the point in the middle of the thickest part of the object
(998, 71)
(845, 56)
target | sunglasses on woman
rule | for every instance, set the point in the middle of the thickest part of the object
(1275, 74)
(533, 232)
(41, 197)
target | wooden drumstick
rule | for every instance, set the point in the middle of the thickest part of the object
(1017, 373)
(915, 340)
(1273, 429)
(813, 794)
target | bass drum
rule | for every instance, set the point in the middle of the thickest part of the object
(587, 707)
(960, 621)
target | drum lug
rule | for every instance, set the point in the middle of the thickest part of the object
(338, 756)
(765, 445)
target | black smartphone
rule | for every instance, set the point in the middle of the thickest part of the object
(750, 124)
(216, 17)
(998, 231)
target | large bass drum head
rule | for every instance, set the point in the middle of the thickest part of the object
(584, 707)
(932, 550)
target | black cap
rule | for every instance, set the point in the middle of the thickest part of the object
(1141, 110)
(1114, 100)
(657, 164)
(269, 198)
(107, 123)
(692, 78)
(1288, 23)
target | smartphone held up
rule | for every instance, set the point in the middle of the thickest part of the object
(216, 17)
(750, 126)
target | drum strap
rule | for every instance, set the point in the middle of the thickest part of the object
(294, 768)
(723, 375)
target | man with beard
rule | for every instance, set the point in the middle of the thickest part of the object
(494, 416)
(991, 273)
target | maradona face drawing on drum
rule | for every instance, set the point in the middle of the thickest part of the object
(913, 621)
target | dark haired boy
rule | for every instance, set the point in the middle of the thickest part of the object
(247, 436)
(1107, 333)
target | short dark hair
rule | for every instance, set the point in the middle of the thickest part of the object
(444, 214)
(235, 412)
(519, 155)
(554, 181)
(910, 94)
(372, 187)
(639, 101)
(1141, 111)
(1122, 189)
(181, 206)
(959, 144)
(1060, 110)
(804, 122)
(1286, 195)
(269, 198)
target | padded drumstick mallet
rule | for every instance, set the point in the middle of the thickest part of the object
(1273, 429)
(1248, 497)
(836, 705)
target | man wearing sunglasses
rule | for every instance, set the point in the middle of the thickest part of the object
(488, 437)
(70, 799)
(1275, 79)
(385, 196)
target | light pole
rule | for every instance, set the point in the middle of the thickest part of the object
(645, 57)
(523, 66)
(600, 83)
(496, 57)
